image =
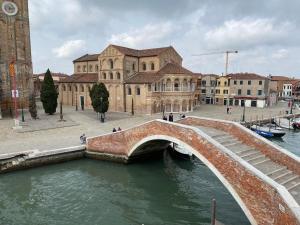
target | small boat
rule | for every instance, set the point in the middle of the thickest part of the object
(179, 151)
(268, 131)
(288, 123)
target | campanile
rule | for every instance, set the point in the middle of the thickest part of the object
(15, 47)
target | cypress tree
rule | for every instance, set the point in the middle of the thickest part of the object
(49, 94)
(99, 97)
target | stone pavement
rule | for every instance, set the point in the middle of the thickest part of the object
(86, 122)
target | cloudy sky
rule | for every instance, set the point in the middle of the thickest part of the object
(266, 33)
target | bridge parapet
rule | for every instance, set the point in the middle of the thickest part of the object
(263, 200)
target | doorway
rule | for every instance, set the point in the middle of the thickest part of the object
(82, 102)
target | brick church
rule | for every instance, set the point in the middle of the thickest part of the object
(14, 47)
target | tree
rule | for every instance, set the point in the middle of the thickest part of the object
(49, 94)
(32, 107)
(99, 96)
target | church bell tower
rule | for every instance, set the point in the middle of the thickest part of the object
(15, 48)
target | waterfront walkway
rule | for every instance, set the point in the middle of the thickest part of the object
(262, 177)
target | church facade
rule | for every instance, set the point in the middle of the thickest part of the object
(144, 81)
(15, 48)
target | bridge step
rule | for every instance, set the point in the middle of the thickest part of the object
(247, 152)
(284, 174)
(290, 179)
(224, 142)
(254, 157)
(277, 171)
(232, 144)
(268, 167)
(224, 137)
(294, 186)
(261, 161)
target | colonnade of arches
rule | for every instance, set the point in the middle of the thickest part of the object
(173, 85)
(172, 106)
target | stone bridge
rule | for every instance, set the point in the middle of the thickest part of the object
(263, 178)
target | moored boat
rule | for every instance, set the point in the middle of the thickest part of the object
(179, 152)
(268, 131)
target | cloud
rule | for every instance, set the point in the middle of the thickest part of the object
(280, 54)
(70, 49)
(247, 33)
(150, 35)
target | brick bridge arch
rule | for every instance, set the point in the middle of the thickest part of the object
(262, 200)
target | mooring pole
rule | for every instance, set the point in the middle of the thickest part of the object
(213, 211)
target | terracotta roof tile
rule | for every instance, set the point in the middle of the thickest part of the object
(174, 68)
(279, 78)
(87, 57)
(143, 78)
(81, 78)
(246, 76)
(141, 53)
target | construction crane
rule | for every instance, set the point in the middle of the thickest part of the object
(226, 59)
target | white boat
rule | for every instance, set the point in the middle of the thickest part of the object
(180, 152)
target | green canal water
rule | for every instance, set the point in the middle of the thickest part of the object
(163, 191)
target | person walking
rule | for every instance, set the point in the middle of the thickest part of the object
(114, 130)
(171, 117)
(119, 129)
(227, 110)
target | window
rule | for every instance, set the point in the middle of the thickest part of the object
(118, 76)
(235, 82)
(149, 87)
(111, 76)
(225, 83)
(152, 66)
(111, 64)
(225, 92)
(91, 68)
(260, 82)
(76, 89)
(211, 91)
(213, 83)
(138, 91)
(217, 100)
(203, 83)
(133, 66)
(249, 82)
(129, 91)
(97, 68)
(259, 92)
(144, 66)
(239, 91)
(78, 69)
(248, 92)
(219, 83)
(217, 91)
(104, 76)
(64, 88)
(203, 91)
(70, 88)
(241, 82)
(84, 68)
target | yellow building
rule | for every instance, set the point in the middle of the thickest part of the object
(222, 90)
(141, 81)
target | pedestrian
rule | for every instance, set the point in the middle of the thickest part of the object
(183, 116)
(114, 130)
(171, 117)
(165, 118)
(119, 129)
(83, 139)
(227, 110)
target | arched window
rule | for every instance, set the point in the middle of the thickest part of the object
(176, 85)
(111, 64)
(118, 76)
(111, 76)
(133, 66)
(82, 88)
(152, 66)
(96, 68)
(84, 68)
(78, 69)
(144, 66)
(138, 91)
(64, 87)
(104, 76)
(70, 88)
(91, 68)
(76, 89)
(169, 85)
(129, 91)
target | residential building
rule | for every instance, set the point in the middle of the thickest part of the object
(208, 88)
(249, 89)
(139, 81)
(222, 90)
(283, 86)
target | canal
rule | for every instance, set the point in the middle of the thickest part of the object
(161, 191)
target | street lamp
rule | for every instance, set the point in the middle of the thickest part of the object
(101, 110)
(244, 110)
